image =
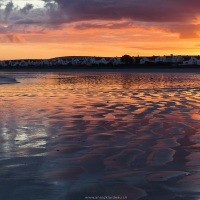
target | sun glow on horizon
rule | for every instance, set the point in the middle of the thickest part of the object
(45, 29)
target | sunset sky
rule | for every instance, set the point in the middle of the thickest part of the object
(51, 28)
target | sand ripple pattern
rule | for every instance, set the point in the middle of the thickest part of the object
(78, 135)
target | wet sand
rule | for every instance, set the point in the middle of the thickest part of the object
(78, 135)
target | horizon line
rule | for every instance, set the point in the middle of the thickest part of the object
(100, 57)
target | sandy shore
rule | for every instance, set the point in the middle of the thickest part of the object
(7, 80)
(133, 136)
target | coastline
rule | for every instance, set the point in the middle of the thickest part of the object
(114, 69)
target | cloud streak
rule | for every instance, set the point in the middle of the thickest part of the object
(11, 38)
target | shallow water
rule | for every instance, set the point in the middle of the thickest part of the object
(74, 136)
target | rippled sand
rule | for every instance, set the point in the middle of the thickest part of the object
(69, 136)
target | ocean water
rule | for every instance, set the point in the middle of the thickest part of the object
(77, 136)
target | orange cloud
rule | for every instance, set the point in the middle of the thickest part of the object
(11, 38)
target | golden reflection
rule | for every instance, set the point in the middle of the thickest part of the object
(75, 128)
(42, 105)
(196, 116)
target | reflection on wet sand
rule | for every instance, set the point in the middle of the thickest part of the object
(78, 135)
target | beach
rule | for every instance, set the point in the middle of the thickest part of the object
(78, 134)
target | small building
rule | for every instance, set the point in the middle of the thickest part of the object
(144, 60)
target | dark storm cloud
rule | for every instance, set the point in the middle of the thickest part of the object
(25, 10)
(150, 11)
(11, 14)
(175, 16)
(140, 10)
(8, 9)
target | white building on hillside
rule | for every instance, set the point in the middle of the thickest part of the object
(3, 64)
(115, 61)
(162, 59)
(198, 62)
(191, 61)
(99, 61)
(144, 60)
(75, 61)
(134, 59)
(177, 59)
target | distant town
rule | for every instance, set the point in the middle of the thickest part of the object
(171, 60)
